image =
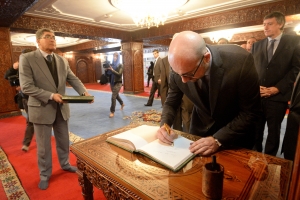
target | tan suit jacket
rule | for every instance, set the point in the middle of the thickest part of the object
(37, 82)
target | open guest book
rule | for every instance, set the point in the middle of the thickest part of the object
(77, 99)
(142, 139)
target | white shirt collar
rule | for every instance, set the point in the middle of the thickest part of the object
(45, 54)
(277, 38)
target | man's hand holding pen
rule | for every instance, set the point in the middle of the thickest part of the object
(204, 146)
(166, 135)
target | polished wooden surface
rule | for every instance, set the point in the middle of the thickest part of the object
(123, 175)
(294, 191)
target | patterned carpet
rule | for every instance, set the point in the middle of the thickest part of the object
(148, 117)
(10, 181)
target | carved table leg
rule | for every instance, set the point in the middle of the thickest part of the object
(87, 188)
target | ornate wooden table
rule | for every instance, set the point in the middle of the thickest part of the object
(123, 175)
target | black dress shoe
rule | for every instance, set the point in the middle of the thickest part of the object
(147, 105)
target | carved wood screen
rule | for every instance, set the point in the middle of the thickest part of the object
(82, 71)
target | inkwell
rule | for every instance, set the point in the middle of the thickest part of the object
(212, 179)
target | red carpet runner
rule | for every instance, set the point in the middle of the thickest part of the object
(62, 185)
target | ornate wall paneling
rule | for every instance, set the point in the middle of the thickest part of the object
(132, 54)
(98, 68)
(234, 19)
(12, 10)
(28, 24)
(85, 70)
(7, 92)
(82, 70)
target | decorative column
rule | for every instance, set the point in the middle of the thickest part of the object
(133, 76)
(7, 92)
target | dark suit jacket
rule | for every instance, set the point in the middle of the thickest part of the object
(293, 122)
(233, 94)
(164, 76)
(157, 67)
(283, 68)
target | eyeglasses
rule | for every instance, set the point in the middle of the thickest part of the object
(192, 74)
(49, 37)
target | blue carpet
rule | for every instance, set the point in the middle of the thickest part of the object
(88, 120)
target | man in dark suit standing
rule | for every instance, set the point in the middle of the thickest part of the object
(293, 122)
(43, 77)
(164, 76)
(277, 61)
(157, 80)
(225, 94)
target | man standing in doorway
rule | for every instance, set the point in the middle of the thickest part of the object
(156, 74)
(277, 61)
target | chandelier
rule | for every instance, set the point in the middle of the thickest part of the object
(148, 12)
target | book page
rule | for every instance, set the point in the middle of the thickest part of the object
(172, 156)
(139, 136)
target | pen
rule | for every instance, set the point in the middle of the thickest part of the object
(168, 129)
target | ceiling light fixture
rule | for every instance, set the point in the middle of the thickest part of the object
(148, 12)
(215, 36)
(297, 29)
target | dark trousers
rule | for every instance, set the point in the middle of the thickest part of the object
(289, 144)
(115, 96)
(155, 86)
(29, 126)
(273, 113)
(149, 78)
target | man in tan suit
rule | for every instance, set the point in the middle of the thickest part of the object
(43, 77)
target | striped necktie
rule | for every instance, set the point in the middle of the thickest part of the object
(271, 50)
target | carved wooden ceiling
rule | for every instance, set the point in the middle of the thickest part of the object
(85, 19)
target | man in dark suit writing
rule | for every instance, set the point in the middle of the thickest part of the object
(225, 94)
(43, 76)
(277, 60)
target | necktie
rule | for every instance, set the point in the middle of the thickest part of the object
(52, 68)
(49, 58)
(270, 50)
(204, 90)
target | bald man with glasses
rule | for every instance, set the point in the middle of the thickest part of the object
(222, 83)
